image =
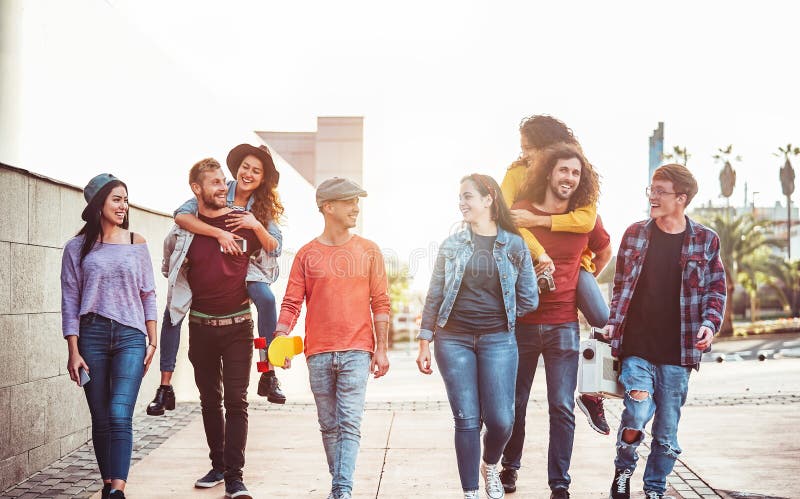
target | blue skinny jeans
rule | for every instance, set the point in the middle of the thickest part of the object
(590, 300)
(115, 356)
(478, 372)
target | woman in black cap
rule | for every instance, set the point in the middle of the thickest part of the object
(108, 313)
(255, 197)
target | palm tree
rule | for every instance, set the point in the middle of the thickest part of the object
(787, 151)
(727, 176)
(759, 268)
(679, 154)
(787, 184)
(741, 237)
(789, 289)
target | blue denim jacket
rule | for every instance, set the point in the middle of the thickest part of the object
(517, 279)
(263, 264)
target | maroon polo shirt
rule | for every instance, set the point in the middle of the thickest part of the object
(217, 279)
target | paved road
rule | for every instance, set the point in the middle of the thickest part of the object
(759, 347)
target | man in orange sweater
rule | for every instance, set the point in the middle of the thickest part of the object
(341, 277)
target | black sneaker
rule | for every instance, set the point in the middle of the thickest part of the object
(211, 479)
(593, 408)
(621, 485)
(508, 477)
(236, 488)
(164, 399)
(270, 387)
(106, 490)
(559, 494)
(117, 494)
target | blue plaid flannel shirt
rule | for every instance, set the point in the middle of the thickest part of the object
(703, 288)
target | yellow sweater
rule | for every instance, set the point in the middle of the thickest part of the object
(580, 220)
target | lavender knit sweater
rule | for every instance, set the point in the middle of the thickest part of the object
(114, 280)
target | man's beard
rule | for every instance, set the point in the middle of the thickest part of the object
(555, 189)
(211, 201)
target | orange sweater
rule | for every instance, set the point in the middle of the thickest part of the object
(344, 287)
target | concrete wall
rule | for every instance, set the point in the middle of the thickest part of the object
(340, 152)
(336, 149)
(297, 148)
(43, 415)
(340, 148)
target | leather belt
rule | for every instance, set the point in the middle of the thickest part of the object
(227, 321)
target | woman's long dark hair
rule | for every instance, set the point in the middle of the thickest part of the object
(94, 213)
(487, 186)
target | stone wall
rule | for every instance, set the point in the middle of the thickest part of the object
(43, 415)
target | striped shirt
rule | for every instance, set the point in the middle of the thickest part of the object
(703, 288)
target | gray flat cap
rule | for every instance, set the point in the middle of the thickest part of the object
(338, 188)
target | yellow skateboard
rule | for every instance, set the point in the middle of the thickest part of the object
(283, 347)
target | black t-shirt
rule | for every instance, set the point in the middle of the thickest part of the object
(479, 306)
(653, 327)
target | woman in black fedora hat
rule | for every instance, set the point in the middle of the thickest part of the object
(254, 196)
(108, 313)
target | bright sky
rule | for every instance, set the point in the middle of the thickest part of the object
(145, 88)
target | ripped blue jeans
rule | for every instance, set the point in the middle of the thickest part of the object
(666, 386)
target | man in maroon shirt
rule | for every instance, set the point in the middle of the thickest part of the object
(560, 180)
(220, 330)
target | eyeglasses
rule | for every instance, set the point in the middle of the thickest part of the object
(657, 193)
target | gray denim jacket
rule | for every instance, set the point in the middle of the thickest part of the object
(263, 264)
(517, 279)
(179, 294)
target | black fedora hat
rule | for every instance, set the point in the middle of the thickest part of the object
(261, 152)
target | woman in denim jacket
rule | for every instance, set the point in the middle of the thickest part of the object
(254, 195)
(483, 280)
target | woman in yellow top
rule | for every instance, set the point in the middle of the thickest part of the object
(536, 133)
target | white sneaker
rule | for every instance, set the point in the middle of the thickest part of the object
(491, 476)
(471, 494)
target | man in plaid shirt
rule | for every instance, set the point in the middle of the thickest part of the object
(669, 298)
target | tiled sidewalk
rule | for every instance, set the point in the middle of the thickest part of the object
(76, 475)
(685, 483)
(408, 444)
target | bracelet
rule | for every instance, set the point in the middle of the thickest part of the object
(151, 345)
